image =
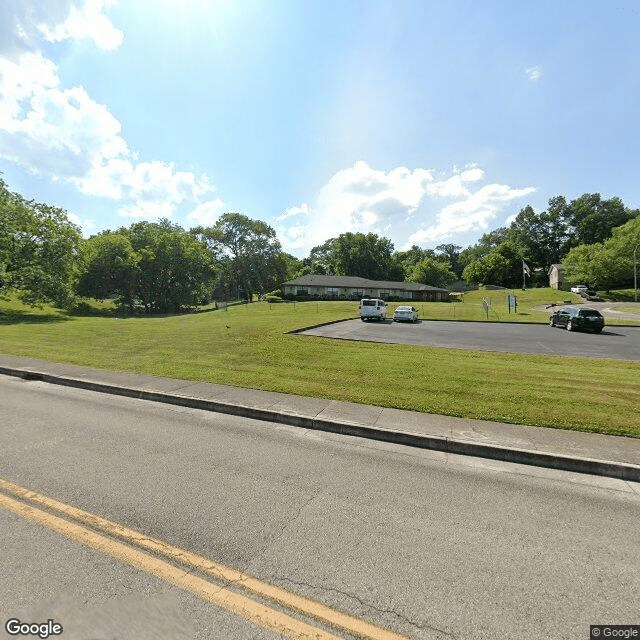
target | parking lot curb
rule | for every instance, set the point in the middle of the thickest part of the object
(608, 468)
(321, 324)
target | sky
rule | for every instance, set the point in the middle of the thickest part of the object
(427, 122)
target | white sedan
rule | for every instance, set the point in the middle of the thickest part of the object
(405, 314)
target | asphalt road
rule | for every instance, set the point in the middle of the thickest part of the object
(425, 544)
(621, 343)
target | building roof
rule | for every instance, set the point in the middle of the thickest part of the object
(355, 282)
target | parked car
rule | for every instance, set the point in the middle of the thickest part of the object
(577, 318)
(372, 309)
(579, 289)
(405, 314)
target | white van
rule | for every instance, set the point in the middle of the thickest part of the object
(372, 309)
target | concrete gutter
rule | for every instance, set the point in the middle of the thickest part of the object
(555, 460)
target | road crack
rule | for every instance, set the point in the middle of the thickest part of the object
(421, 626)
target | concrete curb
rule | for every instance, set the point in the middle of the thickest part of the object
(611, 469)
(322, 324)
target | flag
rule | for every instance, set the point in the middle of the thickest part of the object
(526, 269)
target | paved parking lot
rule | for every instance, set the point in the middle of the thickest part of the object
(621, 343)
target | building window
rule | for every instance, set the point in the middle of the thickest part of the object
(333, 292)
(302, 291)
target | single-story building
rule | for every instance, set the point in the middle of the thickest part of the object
(353, 288)
(555, 276)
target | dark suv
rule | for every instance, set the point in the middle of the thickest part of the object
(574, 318)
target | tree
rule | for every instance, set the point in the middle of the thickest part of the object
(38, 250)
(433, 272)
(501, 267)
(492, 269)
(608, 264)
(247, 253)
(407, 260)
(487, 243)
(320, 258)
(366, 256)
(527, 234)
(592, 219)
(156, 264)
(556, 234)
(451, 253)
(109, 268)
(288, 266)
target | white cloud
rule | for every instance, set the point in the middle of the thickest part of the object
(473, 213)
(534, 73)
(23, 24)
(455, 187)
(400, 204)
(86, 225)
(357, 199)
(62, 133)
(293, 238)
(86, 21)
(206, 213)
(293, 212)
(146, 210)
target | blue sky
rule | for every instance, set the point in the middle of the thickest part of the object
(426, 122)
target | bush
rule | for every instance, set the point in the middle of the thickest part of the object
(271, 299)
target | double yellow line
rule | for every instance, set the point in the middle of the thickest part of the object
(136, 549)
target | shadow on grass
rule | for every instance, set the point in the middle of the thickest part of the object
(85, 310)
(30, 317)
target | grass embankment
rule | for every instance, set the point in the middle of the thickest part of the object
(624, 309)
(248, 346)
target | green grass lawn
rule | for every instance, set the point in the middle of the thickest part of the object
(629, 310)
(249, 346)
(618, 295)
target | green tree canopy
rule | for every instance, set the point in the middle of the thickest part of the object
(501, 267)
(593, 219)
(451, 253)
(407, 260)
(248, 254)
(365, 256)
(156, 264)
(487, 243)
(320, 258)
(38, 250)
(608, 264)
(108, 268)
(433, 272)
(545, 238)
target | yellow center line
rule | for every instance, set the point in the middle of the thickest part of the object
(241, 605)
(238, 604)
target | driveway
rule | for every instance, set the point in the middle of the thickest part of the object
(620, 343)
(608, 309)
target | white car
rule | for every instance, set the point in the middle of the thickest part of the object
(579, 288)
(372, 309)
(405, 314)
